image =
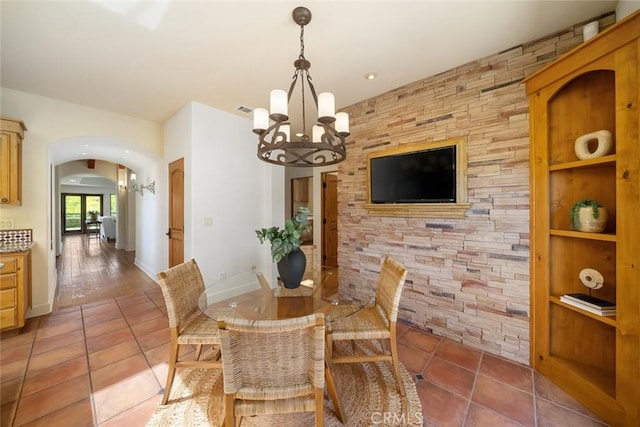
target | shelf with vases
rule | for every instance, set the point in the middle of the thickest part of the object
(605, 237)
(604, 161)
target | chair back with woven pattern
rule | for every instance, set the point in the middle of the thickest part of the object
(389, 288)
(181, 287)
(272, 359)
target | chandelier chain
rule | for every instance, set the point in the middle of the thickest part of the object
(304, 112)
(301, 42)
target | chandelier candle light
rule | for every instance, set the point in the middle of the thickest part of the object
(326, 144)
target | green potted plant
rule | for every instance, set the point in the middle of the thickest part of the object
(93, 215)
(285, 247)
(588, 216)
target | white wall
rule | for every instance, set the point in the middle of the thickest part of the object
(59, 132)
(227, 186)
(626, 8)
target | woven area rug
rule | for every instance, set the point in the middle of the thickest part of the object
(367, 390)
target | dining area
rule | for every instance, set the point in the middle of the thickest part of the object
(321, 353)
(104, 362)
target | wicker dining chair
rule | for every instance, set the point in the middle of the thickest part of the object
(181, 287)
(372, 322)
(272, 366)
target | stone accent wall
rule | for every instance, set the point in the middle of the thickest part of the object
(468, 278)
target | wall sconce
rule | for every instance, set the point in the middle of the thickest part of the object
(122, 186)
(140, 188)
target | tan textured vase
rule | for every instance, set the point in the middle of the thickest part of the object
(588, 223)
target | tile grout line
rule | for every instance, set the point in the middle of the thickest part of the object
(24, 375)
(473, 388)
(135, 337)
(94, 408)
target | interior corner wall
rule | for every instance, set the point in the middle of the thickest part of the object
(229, 193)
(468, 279)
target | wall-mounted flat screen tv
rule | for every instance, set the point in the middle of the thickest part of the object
(427, 176)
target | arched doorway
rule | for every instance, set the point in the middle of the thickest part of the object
(150, 256)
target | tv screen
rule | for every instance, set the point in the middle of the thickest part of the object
(427, 176)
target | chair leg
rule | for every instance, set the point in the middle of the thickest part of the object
(319, 407)
(396, 363)
(173, 360)
(229, 412)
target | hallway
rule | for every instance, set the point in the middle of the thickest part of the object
(90, 270)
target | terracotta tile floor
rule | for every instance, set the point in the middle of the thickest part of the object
(104, 363)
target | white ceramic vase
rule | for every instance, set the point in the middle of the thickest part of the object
(588, 223)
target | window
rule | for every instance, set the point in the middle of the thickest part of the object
(76, 208)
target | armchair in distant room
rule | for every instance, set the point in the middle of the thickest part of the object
(107, 227)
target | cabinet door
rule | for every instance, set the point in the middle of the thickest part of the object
(8, 318)
(10, 169)
(12, 132)
(15, 283)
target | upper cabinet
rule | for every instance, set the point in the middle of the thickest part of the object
(11, 161)
(584, 120)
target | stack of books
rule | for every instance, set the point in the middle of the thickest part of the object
(591, 304)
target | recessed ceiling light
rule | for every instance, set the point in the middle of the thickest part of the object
(84, 154)
(370, 76)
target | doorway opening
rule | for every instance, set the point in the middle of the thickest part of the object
(329, 219)
(77, 210)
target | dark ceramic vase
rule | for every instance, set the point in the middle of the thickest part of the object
(291, 268)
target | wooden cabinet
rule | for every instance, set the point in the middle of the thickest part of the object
(595, 87)
(11, 161)
(15, 289)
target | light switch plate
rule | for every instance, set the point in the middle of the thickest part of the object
(6, 224)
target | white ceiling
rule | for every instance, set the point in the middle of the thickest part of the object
(148, 59)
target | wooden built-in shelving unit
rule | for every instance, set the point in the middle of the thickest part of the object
(594, 87)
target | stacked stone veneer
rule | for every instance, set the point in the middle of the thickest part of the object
(468, 279)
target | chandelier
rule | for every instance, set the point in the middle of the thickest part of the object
(325, 145)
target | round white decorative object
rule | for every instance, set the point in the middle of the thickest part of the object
(591, 278)
(604, 144)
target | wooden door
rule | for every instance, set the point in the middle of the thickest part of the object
(329, 220)
(176, 213)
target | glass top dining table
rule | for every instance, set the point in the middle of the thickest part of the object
(335, 292)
